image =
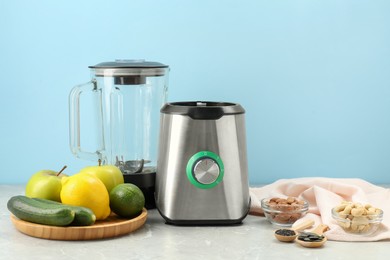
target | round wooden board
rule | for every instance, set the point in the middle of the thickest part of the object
(113, 226)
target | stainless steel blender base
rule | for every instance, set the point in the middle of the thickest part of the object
(205, 222)
(202, 173)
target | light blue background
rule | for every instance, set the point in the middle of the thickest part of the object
(313, 76)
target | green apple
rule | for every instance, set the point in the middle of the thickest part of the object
(45, 184)
(110, 175)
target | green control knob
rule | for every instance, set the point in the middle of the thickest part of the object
(205, 170)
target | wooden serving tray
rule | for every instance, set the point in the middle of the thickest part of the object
(113, 226)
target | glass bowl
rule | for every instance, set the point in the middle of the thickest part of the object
(359, 225)
(284, 211)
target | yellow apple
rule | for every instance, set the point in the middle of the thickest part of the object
(45, 184)
(110, 175)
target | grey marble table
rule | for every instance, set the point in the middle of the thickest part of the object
(156, 240)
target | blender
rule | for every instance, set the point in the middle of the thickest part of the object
(202, 173)
(125, 97)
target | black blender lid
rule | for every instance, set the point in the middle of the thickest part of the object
(129, 68)
(129, 64)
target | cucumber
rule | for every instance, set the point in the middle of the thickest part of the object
(83, 216)
(38, 212)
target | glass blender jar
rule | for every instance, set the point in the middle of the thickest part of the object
(127, 96)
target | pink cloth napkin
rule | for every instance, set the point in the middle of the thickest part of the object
(325, 193)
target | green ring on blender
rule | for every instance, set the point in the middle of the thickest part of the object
(194, 159)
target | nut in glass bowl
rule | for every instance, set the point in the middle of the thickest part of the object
(284, 211)
(357, 218)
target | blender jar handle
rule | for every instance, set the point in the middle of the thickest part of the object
(74, 122)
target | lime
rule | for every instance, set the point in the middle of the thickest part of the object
(127, 200)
